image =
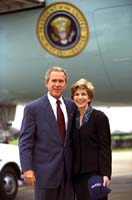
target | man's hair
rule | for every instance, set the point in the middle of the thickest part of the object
(55, 69)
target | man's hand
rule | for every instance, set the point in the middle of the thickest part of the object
(29, 177)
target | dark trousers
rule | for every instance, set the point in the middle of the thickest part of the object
(81, 188)
(63, 192)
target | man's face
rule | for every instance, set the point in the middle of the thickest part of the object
(56, 84)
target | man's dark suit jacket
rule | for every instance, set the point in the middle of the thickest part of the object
(40, 144)
(92, 146)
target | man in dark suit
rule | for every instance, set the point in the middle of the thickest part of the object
(46, 158)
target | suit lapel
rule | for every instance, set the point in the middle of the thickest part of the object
(69, 114)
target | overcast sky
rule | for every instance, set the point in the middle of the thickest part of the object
(120, 117)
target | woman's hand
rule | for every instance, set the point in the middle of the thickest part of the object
(106, 181)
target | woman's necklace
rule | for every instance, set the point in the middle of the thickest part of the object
(83, 117)
(82, 113)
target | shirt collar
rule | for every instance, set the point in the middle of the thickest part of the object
(53, 99)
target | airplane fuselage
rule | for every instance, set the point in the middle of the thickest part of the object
(106, 60)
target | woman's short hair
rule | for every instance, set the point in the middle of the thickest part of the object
(83, 83)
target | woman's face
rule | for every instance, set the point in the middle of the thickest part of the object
(81, 98)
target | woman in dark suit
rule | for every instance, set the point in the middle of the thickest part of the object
(91, 141)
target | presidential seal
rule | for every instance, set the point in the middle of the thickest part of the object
(62, 30)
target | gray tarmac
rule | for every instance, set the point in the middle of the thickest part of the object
(121, 183)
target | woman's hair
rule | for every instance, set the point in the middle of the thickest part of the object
(84, 84)
(55, 69)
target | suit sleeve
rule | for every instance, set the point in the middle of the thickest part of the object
(26, 138)
(105, 152)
